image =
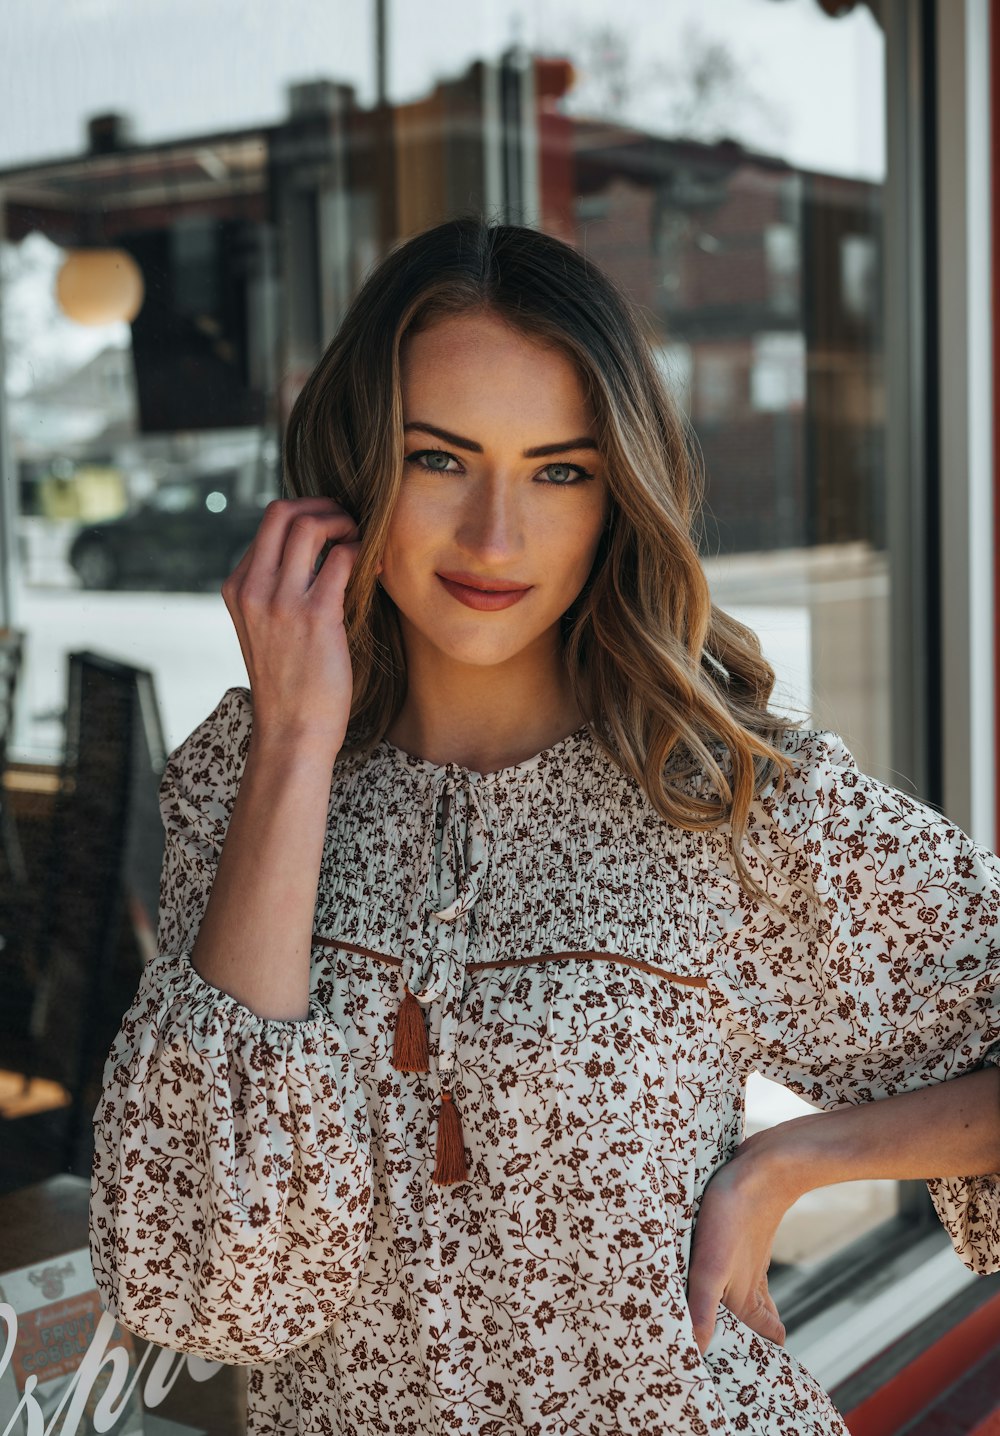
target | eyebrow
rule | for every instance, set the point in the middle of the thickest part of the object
(539, 452)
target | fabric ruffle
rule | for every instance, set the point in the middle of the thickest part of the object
(231, 1195)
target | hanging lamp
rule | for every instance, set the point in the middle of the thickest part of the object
(100, 286)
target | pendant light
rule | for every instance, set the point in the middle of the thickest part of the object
(98, 283)
(100, 286)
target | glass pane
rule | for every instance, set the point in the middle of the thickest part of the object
(196, 67)
(728, 166)
(724, 162)
(145, 450)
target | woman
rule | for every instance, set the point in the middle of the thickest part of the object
(481, 905)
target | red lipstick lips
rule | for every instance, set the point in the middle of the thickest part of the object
(483, 594)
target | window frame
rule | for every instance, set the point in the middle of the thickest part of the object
(939, 386)
(938, 377)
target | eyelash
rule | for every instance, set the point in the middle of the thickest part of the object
(581, 472)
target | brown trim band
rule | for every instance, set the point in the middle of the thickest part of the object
(524, 961)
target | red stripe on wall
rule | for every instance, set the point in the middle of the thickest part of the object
(916, 1388)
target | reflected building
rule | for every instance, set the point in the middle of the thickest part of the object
(759, 282)
(795, 313)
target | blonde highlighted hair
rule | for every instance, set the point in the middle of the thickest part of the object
(675, 690)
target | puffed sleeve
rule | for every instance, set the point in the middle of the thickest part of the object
(231, 1191)
(890, 981)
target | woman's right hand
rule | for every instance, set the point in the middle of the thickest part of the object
(290, 620)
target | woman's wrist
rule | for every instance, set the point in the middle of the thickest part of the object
(780, 1164)
(946, 1129)
(294, 745)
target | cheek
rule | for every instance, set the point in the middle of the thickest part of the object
(577, 544)
(419, 522)
(418, 533)
(410, 528)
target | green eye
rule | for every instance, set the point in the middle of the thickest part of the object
(425, 459)
(574, 469)
(421, 456)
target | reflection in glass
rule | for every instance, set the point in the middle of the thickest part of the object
(723, 163)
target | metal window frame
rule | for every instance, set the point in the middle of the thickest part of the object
(939, 458)
(910, 314)
(965, 405)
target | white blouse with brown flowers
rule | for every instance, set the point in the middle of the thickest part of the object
(582, 989)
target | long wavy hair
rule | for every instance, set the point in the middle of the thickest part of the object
(674, 689)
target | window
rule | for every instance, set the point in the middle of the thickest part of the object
(725, 163)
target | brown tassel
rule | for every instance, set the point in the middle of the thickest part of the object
(450, 1166)
(409, 1044)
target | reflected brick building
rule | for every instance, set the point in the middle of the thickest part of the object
(758, 282)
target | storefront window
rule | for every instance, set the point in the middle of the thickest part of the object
(725, 163)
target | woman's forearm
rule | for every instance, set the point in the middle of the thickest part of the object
(950, 1129)
(255, 939)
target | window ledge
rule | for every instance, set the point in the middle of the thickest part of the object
(895, 1299)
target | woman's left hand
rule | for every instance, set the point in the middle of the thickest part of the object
(945, 1129)
(739, 1215)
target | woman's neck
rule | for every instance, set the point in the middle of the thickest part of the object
(484, 718)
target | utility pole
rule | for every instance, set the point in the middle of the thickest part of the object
(383, 137)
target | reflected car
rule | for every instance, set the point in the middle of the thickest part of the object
(189, 532)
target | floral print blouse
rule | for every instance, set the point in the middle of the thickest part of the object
(594, 989)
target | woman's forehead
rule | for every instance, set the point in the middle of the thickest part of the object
(487, 368)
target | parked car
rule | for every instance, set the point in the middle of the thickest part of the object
(190, 531)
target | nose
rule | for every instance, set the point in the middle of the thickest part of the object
(492, 523)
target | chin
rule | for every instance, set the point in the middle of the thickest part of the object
(472, 643)
(479, 653)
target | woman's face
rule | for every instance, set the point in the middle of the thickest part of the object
(475, 502)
